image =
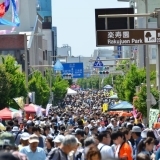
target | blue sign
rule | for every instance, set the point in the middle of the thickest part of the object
(119, 52)
(98, 63)
(76, 69)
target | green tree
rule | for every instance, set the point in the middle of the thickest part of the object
(39, 85)
(4, 87)
(126, 85)
(108, 80)
(123, 65)
(140, 102)
(134, 77)
(91, 82)
(58, 84)
(17, 80)
(59, 88)
(119, 86)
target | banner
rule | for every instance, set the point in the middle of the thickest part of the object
(105, 107)
(19, 101)
(48, 108)
(153, 116)
(39, 111)
(4, 8)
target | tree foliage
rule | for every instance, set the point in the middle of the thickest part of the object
(15, 80)
(108, 80)
(40, 86)
(91, 82)
(4, 87)
(123, 65)
(140, 102)
(126, 85)
(119, 86)
(59, 88)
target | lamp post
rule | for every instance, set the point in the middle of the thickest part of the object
(26, 58)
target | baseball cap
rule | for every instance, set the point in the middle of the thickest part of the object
(136, 129)
(15, 129)
(59, 139)
(144, 133)
(7, 138)
(25, 136)
(33, 138)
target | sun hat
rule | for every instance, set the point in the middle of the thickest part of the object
(33, 138)
(136, 129)
(59, 139)
(25, 136)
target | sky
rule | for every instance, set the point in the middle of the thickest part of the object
(75, 22)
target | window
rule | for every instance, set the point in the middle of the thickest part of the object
(47, 19)
(46, 55)
(153, 53)
(43, 55)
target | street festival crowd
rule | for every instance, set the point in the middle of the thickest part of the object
(79, 129)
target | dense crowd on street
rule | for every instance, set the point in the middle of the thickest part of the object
(79, 130)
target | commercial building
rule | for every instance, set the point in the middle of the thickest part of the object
(36, 23)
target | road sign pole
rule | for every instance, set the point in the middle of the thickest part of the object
(158, 25)
(148, 100)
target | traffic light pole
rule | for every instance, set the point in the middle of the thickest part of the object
(119, 59)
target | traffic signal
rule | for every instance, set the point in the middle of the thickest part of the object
(103, 72)
(67, 76)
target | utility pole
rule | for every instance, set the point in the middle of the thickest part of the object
(158, 26)
(26, 64)
(148, 100)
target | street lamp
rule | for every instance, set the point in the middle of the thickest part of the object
(26, 56)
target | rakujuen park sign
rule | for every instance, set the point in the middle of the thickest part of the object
(127, 37)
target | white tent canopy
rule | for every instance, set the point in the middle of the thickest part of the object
(71, 92)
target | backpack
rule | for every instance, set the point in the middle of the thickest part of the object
(79, 155)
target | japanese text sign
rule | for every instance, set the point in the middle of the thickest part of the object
(128, 37)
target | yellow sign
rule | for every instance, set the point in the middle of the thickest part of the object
(105, 107)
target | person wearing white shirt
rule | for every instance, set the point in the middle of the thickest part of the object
(105, 139)
(102, 127)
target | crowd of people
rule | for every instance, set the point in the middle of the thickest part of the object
(79, 130)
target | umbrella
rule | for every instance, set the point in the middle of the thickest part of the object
(5, 114)
(124, 105)
(13, 110)
(108, 87)
(32, 108)
(114, 97)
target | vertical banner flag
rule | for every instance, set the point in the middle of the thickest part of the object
(20, 101)
(105, 107)
(3, 10)
(153, 116)
(48, 108)
(39, 111)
